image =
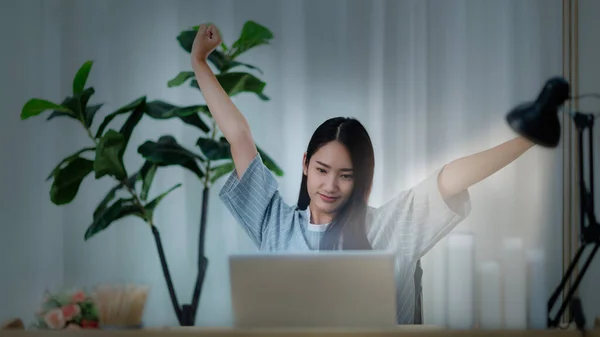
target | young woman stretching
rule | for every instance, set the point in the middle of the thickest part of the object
(332, 211)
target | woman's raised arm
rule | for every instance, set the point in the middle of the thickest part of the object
(229, 119)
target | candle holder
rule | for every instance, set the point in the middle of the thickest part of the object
(121, 306)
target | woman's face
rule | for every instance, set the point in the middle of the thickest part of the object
(330, 178)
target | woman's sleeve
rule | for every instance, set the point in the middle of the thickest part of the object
(416, 219)
(255, 202)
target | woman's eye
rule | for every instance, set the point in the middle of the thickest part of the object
(320, 170)
(346, 176)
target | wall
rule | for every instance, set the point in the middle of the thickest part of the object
(31, 239)
(431, 80)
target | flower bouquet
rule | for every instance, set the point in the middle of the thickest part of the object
(67, 310)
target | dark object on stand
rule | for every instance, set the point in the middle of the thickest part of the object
(538, 121)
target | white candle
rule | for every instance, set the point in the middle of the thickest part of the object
(461, 258)
(437, 298)
(490, 289)
(515, 284)
(537, 290)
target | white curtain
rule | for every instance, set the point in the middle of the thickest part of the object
(431, 80)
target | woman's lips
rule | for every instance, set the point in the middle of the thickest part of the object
(327, 198)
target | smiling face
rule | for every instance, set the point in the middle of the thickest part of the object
(330, 180)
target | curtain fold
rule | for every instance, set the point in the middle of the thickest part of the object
(430, 79)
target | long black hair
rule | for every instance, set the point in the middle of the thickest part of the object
(347, 230)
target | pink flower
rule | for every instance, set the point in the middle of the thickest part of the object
(55, 319)
(70, 311)
(78, 297)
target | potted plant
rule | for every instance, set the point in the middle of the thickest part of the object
(209, 160)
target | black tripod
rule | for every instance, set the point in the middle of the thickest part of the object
(589, 230)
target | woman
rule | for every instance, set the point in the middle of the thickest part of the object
(332, 210)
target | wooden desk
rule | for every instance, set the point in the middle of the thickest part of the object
(227, 332)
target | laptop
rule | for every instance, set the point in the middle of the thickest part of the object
(313, 289)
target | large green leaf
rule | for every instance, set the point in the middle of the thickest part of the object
(131, 122)
(76, 103)
(214, 150)
(90, 112)
(163, 110)
(253, 35)
(236, 82)
(166, 152)
(68, 179)
(221, 170)
(109, 156)
(74, 106)
(188, 114)
(141, 175)
(147, 181)
(205, 110)
(81, 77)
(186, 39)
(218, 150)
(196, 121)
(220, 59)
(125, 109)
(119, 209)
(67, 160)
(224, 63)
(106, 200)
(151, 206)
(180, 79)
(36, 106)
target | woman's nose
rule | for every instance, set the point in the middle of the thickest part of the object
(331, 183)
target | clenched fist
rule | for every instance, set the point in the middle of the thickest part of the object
(206, 40)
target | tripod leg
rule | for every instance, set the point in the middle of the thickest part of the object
(577, 311)
(554, 322)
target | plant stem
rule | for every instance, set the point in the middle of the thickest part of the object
(167, 274)
(203, 216)
(156, 234)
(91, 136)
(138, 203)
(89, 132)
(161, 252)
(207, 168)
(202, 260)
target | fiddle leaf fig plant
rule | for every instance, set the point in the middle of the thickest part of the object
(131, 193)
